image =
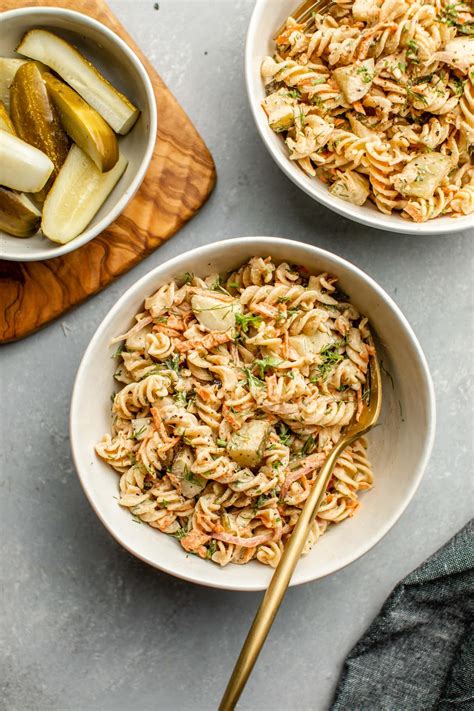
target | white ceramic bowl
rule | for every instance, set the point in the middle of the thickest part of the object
(267, 17)
(114, 58)
(399, 448)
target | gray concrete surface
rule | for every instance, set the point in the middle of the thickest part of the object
(86, 627)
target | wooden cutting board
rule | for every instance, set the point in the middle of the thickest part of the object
(179, 180)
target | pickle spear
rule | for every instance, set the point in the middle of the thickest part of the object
(5, 120)
(18, 216)
(77, 194)
(83, 124)
(22, 167)
(35, 119)
(8, 69)
(79, 73)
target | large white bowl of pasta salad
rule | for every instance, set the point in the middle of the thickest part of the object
(210, 395)
(370, 109)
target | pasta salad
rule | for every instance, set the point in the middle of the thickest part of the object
(234, 388)
(376, 99)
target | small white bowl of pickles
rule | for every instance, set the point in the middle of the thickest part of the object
(78, 124)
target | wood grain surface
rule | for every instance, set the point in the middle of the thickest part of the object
(179, 180)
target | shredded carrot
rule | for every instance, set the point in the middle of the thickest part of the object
(210, 341)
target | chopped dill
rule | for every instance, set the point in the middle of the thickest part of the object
(252, 380)
(246, 320)
(264, 363)
(308, 445)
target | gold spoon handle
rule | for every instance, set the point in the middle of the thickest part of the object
(276, 590)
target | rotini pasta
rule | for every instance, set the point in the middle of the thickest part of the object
(234, 389)
(376, 99)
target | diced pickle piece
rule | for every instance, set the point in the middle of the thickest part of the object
(5, 120)
(281, 119)
(247, 445)
(8, 69)
(140, 427)
(422, 175)
(79, 73)
(18, 216)
(214, 314)
(310, 345)
(35, 119)
(190, 483)
(77, 194)
(352, 187)
(22, 167)
(83, 124)
(458, 53)
(355, 80)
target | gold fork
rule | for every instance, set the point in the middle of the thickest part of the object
(305, 12)
(281, 577)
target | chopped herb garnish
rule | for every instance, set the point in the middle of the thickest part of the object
(330, 358)
(173, 363)
(211, 549)
(221, 443)
(450, 18)
(180, 533)
(139, 432)
(217, 286)
(181, 398)
(366, 76)
(308, 445)
(423, 80)
(246, 320)
(252, 380)
(284, 433)
(264, 363)
(412, 51)
(294, 94)
(262, 500)
(120, 348)
(192, 478)
(458, 86)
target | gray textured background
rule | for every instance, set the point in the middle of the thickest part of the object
(84, 625)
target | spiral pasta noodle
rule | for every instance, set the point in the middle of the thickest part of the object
(233, 390)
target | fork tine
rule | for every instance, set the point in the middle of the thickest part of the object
(304, 12)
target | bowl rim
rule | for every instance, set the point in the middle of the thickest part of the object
(206, 251)
(80, 19)
(296, 175)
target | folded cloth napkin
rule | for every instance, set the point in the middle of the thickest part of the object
(418, 654)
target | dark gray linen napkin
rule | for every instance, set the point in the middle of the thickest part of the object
(418, 654)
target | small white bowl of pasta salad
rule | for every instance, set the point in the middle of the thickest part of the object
(370, 109)
(213, 390)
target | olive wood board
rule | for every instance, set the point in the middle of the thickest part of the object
(179, 180)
